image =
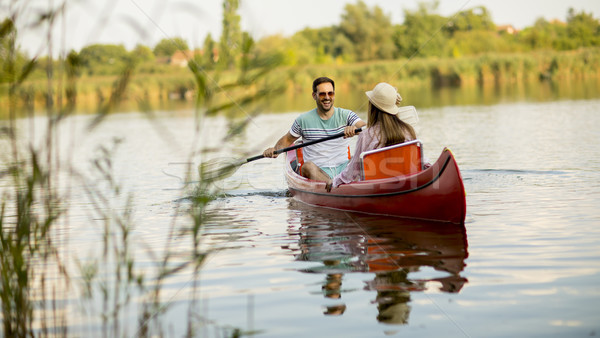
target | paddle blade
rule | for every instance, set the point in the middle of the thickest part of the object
(409, 115)
(218, 169)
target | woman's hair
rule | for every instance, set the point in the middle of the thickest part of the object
(392, 128)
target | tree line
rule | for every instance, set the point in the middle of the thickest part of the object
(366, 34)
(363, 34)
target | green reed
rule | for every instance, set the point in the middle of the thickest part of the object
(36, 271)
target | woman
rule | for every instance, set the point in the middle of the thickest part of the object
(384, 129)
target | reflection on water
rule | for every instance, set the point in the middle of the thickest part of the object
(393, 249)
(352, 97)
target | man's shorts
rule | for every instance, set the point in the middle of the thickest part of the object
(333, 171)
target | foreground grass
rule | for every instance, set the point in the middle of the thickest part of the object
(39, 279)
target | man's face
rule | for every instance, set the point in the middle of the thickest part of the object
(324, 96)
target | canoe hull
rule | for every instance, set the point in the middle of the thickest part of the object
(436, 193)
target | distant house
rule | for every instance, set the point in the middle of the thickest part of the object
(508, 29)
(181, 57)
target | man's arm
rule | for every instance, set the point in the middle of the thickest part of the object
(285, 141)
(349, 130)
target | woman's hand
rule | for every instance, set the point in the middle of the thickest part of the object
(329, 185)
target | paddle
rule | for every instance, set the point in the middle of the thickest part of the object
(221, 168)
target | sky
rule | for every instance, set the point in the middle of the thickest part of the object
(132, 22)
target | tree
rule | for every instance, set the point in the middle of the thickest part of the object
(142, 53)
(210, 53)
(424, 34)
(477, 18)
(542, 35)
(231, 37)
(476, 42)
(273, 46)
(320, 42)
(104, 59)
(582, 29)
(369, 31)
(300, 51)
(167, 47)
(11, 58)
(473, 32)
(343, 48)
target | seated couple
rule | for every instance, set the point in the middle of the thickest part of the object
(328, 161)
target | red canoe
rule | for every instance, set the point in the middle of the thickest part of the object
(436, 193)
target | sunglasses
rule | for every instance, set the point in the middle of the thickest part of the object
(323, 94)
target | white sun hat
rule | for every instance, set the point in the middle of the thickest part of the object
(385, 97)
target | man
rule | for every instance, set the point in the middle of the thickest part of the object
(322, 161)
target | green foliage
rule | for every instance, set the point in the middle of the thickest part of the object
(366, 34)
(231, 36)
(36, 278)
(369, 32)
(542, 35)
(24, 239)
(142, 54)
(582, 29)
(317, 43)
(343, 48)
(104, 59)
(424, 34)
(476, 42)
(166, 47)
(296, 51)
(474, 19)
(299, 52)
(11, 59)
(210, 53)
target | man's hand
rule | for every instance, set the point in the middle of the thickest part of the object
(284, 142)
(270, 152)
(349, 131)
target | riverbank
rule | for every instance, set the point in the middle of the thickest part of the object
(174, 88)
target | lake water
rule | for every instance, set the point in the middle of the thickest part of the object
(526, 263)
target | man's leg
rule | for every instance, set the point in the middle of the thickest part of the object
(313, 172)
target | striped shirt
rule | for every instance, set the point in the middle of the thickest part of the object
(310, 126)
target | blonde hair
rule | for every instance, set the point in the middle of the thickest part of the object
(392, 129)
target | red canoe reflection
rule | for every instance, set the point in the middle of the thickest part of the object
(394, 249)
